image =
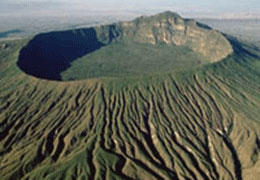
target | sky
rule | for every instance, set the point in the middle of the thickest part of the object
(184, 7)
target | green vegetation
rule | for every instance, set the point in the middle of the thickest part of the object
(132, 59)
(203, 123)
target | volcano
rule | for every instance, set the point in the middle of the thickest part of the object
(159, 97)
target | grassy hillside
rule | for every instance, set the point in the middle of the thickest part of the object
(199, 124)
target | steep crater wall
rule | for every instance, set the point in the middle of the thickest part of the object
(47, 55)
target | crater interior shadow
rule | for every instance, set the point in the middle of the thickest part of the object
(48, 54)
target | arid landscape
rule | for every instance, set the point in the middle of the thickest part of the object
(157, 97)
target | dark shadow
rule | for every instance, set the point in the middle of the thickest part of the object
(48, 54)
(203, 26)
(241, 48)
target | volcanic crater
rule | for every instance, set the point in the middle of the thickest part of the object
(162, 43)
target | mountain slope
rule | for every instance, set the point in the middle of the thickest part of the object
(197, 124)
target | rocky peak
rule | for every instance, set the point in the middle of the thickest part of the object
(170, 28)
(166, 16)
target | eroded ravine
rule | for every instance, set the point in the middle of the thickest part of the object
(173, 129)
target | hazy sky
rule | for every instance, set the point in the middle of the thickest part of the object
(198, 7)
